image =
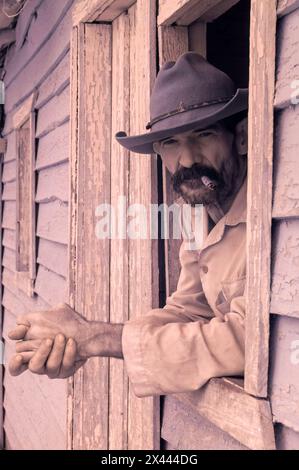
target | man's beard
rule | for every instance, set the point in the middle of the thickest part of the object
(189, 187)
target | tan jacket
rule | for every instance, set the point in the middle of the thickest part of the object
(199, 333)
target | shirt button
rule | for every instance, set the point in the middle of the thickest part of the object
(205, 269)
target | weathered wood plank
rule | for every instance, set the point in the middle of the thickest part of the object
(244, 417)
(184, 429)
(50, 286)
(55, 82)
(9, 191)
(173, 41)
(286, 179)
(184, 12)
(54, 113)
(287, 61)
(10, 153)
(89, 275)
(284, 7)
(285, 276)
(286, 438)
(52, 222)
(100, 10)
(52, 183)
(9, 171)
(28, 16)
(9, 215)
(38, 34)
(119, 282)
(53, 256)
(143, 417)
(17, 301)
(284, 377)
(53, 148)
(259, 218)
(23, 111)
(38, 68)
(9, 238)
(9, 258)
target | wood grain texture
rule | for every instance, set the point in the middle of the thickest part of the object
(38, 69)
(90, 186)
(54, 113)
(287, 61)
(284, 377)
(259, 211)
(52, 221)
(53, 148)
(8, 238)
(9, 191)
(53, 256)
(119, 279)
(184, 12)
(225, 404)
(38, 33)
(100, 10)
(23, 111)
(55, 82)
(143, 417)
(52, 183)
(286, 180)
(173, 41)
(185, 429)
(9, 171)
(50, 286)
(9, 215)
(285, 277)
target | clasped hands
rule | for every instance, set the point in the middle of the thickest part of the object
(51, 342)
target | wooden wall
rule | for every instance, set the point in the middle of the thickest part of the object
(284, 335)
(35, 407)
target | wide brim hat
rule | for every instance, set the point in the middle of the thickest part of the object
(188, 94)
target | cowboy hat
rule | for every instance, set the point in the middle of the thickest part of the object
(188, 94)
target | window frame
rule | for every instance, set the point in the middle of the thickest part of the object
(173, 21)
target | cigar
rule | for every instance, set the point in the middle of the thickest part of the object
(208, 182)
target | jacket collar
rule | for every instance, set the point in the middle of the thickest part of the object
(236, 214)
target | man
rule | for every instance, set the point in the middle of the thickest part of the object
(195, 126)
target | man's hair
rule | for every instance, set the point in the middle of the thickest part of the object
(231, 122)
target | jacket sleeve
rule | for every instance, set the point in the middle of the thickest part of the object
(179, 347)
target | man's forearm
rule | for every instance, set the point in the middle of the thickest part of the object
(104, 339)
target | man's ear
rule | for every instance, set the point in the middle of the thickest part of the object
(241, 135)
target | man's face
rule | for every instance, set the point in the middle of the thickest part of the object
(204, 153)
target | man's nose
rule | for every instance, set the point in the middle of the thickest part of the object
(187, 156)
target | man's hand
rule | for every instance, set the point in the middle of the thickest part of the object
(56, 359)
(46, 325)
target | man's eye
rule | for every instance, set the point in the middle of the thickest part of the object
(204, 134)
(169, 142)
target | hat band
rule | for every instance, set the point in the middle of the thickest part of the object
(182, 108)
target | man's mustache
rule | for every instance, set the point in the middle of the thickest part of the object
(196, 171)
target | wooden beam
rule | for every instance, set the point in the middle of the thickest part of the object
(100, 10)
(144, 414)
(22, 113)
(89, 255)
(244, 417)
(259, 216)
(185, 12)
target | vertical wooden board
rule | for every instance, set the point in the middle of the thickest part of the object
(90, 414)
(143, 419)
(285, 174)
(173, 41)
(23, 197)
(119, 279)
(284, 367)
(260, 154)
(285, 274)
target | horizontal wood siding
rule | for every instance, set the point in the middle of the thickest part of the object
(284, 306)
(39, 60)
